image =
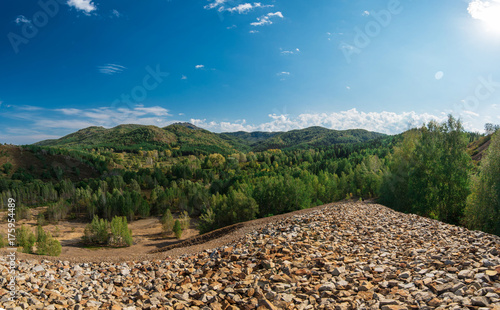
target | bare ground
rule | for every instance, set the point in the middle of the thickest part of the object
(149, 241)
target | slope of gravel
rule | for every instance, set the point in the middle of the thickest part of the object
(341, 256)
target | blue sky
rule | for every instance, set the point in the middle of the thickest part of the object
(273, 65)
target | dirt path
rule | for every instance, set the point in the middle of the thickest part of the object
(149, 243)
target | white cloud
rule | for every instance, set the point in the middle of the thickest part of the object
(183, 77)
(69, 111)
(116, 13)
(242, 8)
(231, 27)
(215, 4)
(470, 114)
(348, 87)
(291, 52)
(247, 7)
(253, 31)
(266, 19)
(111, 69)
(487, 11)
(365, 13)
(69, 124)
(199, 66)
(84, 5)
(283, 73)
(21, 19)
(105, 116)
(384, 122)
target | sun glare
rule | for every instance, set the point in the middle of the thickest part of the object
(488, 12)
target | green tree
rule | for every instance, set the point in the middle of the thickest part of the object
(120, 235)
(167, 221)
(46, 244)
(177, 229)
(428, 172)
(483, 205)
(7, 167)
(96, 232)
(25, 239)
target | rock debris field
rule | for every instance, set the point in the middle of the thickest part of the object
(347, 255)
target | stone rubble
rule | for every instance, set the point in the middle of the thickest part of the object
(344, 256)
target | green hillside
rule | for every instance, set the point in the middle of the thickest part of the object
(182, 137)
(315, 137)
(189, 139)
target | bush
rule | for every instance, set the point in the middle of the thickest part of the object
(46, 244)
(23, 213)
(7, 167)
(40, 219)
(121, 235)
(167, 221)
(177, 229)
(100, 231)
(207, 221)
(25, 239)
(97, 231)
(3, 242)
(185, 220)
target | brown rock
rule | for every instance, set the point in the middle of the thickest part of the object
(435, 302)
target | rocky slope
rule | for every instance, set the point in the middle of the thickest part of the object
(341, 256)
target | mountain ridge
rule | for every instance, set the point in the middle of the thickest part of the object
(190, 138)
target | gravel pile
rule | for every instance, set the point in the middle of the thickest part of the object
(343, 256)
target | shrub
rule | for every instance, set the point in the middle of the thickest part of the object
(22, 213)
(40, 219)
(3, 242)
(207, 221)
(25, 239)
(97, 231)
(177, 229)
(167, 221)
(46, 244)
(7, 167)
(116, 233)
(121, 235)
(185, 220)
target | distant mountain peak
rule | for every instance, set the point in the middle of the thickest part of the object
(187, 125)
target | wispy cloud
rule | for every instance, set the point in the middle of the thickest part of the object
(242, 8)
(266, 19)
(115, 13)
(216, 4)
(184, 77)
(291, 52)
(199, 66)
(111, 69)
(86, 6)
(283, 73)
(253, 31)
(384, 122)
(21, 19)
(247, 7)
(365, 13)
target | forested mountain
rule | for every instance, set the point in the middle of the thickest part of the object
(315, 137)
(189, 139)
(139, 171)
